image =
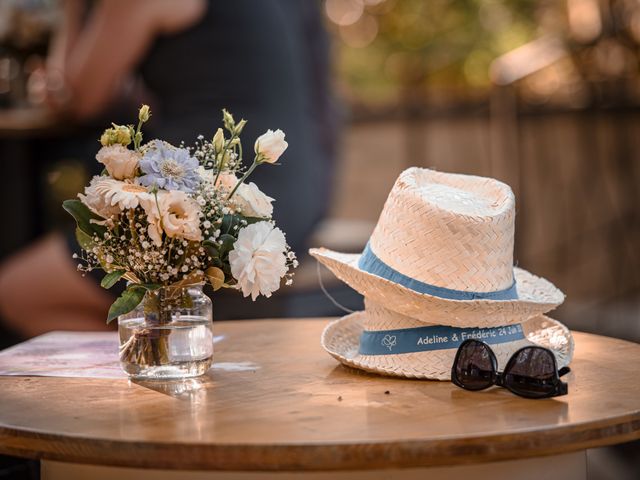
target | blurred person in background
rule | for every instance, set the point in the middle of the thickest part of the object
(266, 62)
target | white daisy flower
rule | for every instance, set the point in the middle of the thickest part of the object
(123, 194)
(94, 198)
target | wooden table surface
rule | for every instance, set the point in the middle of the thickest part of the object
(276, 401)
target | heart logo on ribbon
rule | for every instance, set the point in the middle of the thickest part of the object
(389, 341)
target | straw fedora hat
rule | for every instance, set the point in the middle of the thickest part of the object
(442, 253)
(382, 341)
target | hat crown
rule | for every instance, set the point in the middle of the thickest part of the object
(448, 230)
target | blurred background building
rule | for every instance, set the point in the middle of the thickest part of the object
(541, 94)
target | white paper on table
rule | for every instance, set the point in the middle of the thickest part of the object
(64, 354)
(73, 354)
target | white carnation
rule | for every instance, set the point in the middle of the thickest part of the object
(258, 260)
(251, 202)
(120, 162)
(175, 213)
(271, 145)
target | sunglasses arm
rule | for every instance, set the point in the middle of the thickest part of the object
(561, 388)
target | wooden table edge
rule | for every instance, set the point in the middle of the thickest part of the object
(323, 456)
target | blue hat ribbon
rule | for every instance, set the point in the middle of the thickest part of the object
(370, 263)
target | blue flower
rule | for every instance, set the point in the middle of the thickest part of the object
(170, 168)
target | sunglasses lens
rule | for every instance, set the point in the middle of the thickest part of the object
(531, 372)
(474, 366)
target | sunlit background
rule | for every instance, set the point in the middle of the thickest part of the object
(542, 94)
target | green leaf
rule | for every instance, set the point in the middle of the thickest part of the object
(215, 276)
(84, 240)
(216, 262)
(230, 221)
(126, 302)
(226, 244)
(111, 278)
(86, 243)
(83, 217)
(226, 268)
(211, 249)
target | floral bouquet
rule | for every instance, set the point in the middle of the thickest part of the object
(164, 218)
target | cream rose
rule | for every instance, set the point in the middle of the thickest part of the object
(251, 202)
(175, 214)
(227, 181)
(120, 162)
(270, 146)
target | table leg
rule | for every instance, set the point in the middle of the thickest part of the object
(570, 466)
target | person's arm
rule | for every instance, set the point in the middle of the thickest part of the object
(66, 35)
(114, 39)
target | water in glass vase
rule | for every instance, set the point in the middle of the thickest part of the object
(168, 336)
(181, 348)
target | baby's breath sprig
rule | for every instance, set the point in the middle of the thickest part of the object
(292, 263)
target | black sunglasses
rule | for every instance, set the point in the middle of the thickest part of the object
(531, 372)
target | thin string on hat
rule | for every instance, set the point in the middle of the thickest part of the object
(328, 295)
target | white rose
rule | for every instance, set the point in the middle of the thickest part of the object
(175, 213)
(251, 202)
(271, 145)
(258, 260)
(120, 162)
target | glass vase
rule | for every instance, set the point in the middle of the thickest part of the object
(169, 335)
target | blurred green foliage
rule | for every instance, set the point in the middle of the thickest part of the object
(395, 44)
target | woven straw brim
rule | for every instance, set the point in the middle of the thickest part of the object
(535, 296)
(341, 339)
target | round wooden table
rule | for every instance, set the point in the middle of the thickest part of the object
(275, 401)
